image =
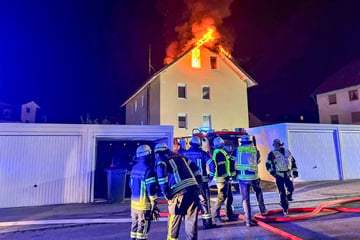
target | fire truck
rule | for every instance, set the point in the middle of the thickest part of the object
(207, 136)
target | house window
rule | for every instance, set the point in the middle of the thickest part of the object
(27, 110)
(213, 62)
(182, 120)
(135, 106)
(142, 101)
(334, 119)
(332, 99)
(353, 95)
(206, 120)
(195, 58)
(355, 117)
(181, 90)
(206, 92)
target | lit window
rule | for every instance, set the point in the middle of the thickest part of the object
(334, 119)
(182, 121)
(142, 101)
(332, 99)
(213, 62)
(195, 58)
(206, 121)
(181, 90)
(135, 106)
(355, 117)
(206, 92)
(353, 95)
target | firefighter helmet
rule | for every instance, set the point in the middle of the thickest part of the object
(277, 142)
(182, 143)
(143, 150)
(219, 142)
(246, 139)
(160, 147)
(195, 141)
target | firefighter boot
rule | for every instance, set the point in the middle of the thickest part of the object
(207, 224)
(289, 196)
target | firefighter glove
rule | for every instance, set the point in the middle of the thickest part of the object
(295, 174)
(155, 214)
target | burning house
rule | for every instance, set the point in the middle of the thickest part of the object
(202, 87)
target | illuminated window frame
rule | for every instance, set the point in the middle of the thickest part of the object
(353, 95)
(196, 58)
(332, 99)
(182, 91)
(182, 121)
(206, 120)
(205, 95)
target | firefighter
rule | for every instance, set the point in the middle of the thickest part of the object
(179, 180)
(143, 187)
(203, 160)
(223, 182)
(182, 146)
(247, 159)
(282, 165)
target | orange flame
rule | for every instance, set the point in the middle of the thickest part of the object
(223, 51)
(208, 37)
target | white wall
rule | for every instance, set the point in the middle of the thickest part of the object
(322, 151)
(44, 164)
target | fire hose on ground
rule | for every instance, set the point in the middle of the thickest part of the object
(311, 212)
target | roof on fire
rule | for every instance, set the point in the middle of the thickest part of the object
(230, 62)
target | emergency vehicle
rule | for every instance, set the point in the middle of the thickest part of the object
(208, 135)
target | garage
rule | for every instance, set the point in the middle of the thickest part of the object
(45, 164)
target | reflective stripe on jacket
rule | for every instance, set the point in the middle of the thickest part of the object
(247, 163)
(203, 161)
(143, 186)
(222, 165)
(175, 173)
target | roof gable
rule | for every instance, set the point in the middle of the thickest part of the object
(346, 77)
(231, 63)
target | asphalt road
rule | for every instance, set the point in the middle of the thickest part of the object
(331, 226)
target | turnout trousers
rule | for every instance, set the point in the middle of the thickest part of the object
(140, 224)
(245, 193)
(184, 204)
(224, 196)
(205, 204)
(281, 183)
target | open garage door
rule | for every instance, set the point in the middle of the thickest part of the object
(117, 153)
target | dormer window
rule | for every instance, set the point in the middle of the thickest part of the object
(195, 58)
(213, 62)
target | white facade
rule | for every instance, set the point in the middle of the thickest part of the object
(344, 111)
(322, 151)
(212, 94)
(43, 164)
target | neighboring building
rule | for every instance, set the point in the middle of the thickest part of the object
(200, 88)
(29, 112)
(9, 112)
(338, 97)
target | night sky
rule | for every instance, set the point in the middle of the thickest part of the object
(88, 56)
